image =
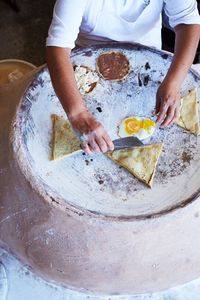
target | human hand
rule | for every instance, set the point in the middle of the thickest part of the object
(168, 102)
(93, 136)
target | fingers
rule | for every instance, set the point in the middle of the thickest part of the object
(94, 146)
(158, 102)
(162, 112)
(176, 115)
(169, 116)
(109, 142)
(97, 141)
(86, 148)
(169, 112)
(102, 144)
(103, 140)
(167, 102)
(90, 146)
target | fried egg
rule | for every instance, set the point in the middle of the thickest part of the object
(141, 128)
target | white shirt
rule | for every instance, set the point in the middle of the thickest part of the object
(87, 22)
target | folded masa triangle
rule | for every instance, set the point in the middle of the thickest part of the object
(139, 161)
(189, 115)
(64, 141)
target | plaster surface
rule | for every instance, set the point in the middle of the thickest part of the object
(83, 250)
(24, 284)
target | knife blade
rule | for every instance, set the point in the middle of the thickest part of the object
(127, 142)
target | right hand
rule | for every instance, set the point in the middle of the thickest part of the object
(93, 136)
(168, 103)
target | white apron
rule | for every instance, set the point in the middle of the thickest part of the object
(143, 28)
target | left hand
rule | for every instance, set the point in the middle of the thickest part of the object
(168, 101)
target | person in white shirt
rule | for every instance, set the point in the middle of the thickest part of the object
(88, 22)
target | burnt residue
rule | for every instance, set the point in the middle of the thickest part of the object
(87, 162)
(26, 108)
(60, 271)
(40, 81)
(99, 109)
(143, 79)
(165, 56)
(147, 66)
(186, 157)
(92, 86)
(80, 214)
(54, 201)
(139, 80)
(74, 67)
(27, 273)
(146, 80)
(101, 181)
(88, 53)
(163, 173)
(100, 178)
(112, 184)
(176, 167)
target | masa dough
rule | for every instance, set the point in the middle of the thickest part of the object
(189, 115)
(64, 141)
(139, 161)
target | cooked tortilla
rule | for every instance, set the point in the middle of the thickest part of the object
(113, 65)
(139, 161)
(189, 115)
(64, 141)
(86, 79)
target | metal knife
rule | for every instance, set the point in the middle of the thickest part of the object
(127, 142)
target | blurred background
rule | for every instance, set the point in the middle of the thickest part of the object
(24, 25)
(23, 29)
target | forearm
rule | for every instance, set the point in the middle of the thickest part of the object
(64, 83)
(187, 38)
(63, 80)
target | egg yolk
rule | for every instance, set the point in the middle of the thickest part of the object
(133, 125)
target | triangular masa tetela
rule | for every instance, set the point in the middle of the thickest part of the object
(189, 115)
(64, 141)
(139, 161)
